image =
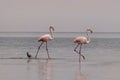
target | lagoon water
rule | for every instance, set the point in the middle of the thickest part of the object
(102, 57)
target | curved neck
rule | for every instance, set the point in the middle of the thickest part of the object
(51, 33)
(88, 37)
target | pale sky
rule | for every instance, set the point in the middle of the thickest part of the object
(66, 15)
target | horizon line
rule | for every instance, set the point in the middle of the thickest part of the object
(55, 32)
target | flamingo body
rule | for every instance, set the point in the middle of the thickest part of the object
(45, 38)
(81, 40)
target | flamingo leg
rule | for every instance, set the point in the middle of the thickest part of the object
(78, 51)
(47, 50)
(38, 49)
(76, 48)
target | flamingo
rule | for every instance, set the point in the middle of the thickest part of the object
(82, 40)
(46, 38)
(43, 39)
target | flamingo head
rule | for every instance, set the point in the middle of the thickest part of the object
(89, 30)
(51, 28)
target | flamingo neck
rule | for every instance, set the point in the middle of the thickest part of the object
(88, 37)
(51, 33)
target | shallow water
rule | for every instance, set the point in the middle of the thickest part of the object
(102, 57)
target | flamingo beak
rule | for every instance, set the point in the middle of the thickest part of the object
(53, 29)
(91, 31)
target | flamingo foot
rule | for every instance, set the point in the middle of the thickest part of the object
(35, 57)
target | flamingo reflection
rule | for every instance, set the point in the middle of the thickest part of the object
(80, 76)
(45, 70)
(48, 71)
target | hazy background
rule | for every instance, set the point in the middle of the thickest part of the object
(66, 15)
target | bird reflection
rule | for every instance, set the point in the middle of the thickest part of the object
(48, 71)
(45, 70)
(80, 76)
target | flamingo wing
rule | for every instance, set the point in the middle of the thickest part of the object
(80, 40)
(45, 37)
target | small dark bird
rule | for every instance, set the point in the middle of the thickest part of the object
(28, 55)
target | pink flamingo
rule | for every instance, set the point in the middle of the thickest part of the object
(82, 40)
(45, 38)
